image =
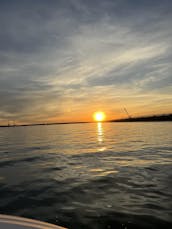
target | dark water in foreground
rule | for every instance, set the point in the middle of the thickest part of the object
(88, 175)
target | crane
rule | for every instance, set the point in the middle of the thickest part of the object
(129, 116)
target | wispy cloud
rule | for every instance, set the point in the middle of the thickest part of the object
(66, 57)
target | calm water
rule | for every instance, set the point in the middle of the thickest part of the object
(109, 175)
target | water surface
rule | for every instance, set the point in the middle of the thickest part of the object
(109, 175)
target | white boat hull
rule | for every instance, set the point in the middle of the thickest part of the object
(14, 222)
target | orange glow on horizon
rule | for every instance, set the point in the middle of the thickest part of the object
(99, 116)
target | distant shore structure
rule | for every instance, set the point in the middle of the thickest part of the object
(129, 116)
(11, 123)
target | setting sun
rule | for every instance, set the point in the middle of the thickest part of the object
(99, 116)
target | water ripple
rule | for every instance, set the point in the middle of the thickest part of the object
(71, 177)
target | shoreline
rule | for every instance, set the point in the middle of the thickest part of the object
(154, 118)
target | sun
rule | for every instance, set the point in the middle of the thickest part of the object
(99, 116)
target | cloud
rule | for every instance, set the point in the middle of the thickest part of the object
(64, 55)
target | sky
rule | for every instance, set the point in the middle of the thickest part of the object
(62, 60)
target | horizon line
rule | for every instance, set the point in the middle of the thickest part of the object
(138, 118)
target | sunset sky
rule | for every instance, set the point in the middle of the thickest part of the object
(62, 60)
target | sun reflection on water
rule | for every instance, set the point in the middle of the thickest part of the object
(99, 132)
(100, 137)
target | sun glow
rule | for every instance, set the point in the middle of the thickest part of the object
(99, 116)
